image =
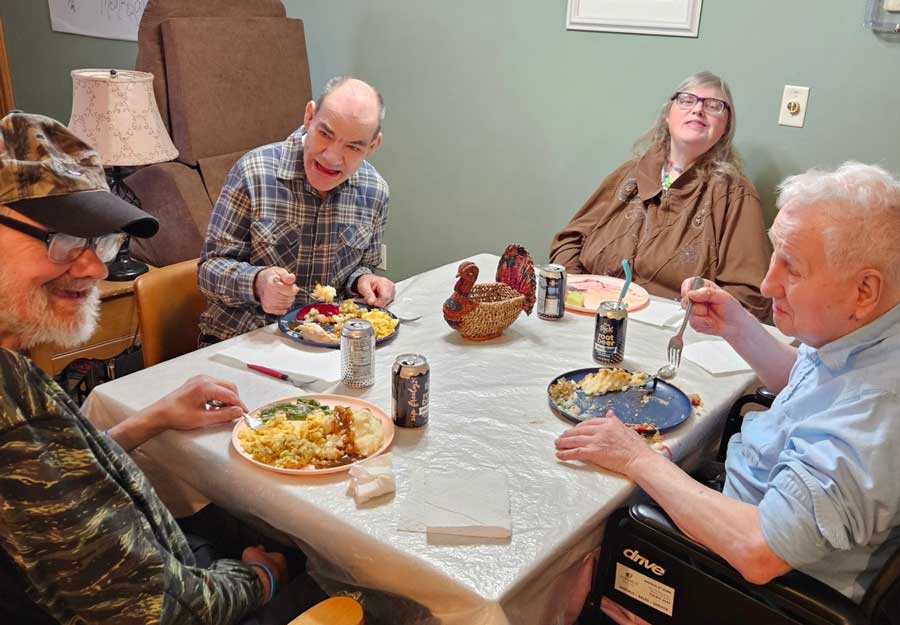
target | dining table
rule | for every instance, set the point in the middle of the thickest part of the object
(489, 412)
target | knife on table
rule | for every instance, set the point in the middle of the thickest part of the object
(296, 379)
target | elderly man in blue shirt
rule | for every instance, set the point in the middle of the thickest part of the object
(812, 482)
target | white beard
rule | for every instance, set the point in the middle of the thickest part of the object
(33, 320)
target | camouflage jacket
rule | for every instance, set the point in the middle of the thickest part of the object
(91, 541)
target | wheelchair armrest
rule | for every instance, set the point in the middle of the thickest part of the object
(761, 397)
(793, 588)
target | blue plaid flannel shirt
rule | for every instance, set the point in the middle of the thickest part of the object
(268, 215)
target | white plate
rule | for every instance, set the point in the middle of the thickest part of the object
(328, 400)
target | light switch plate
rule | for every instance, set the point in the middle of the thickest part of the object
(793, 106)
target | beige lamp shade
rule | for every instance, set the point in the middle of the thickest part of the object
(114, 111)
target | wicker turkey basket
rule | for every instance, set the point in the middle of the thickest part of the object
(498, 306)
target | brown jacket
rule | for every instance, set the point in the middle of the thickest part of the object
(698, 227)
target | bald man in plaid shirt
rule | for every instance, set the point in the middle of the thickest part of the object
(299, 212)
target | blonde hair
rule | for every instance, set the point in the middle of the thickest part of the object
(721, 159)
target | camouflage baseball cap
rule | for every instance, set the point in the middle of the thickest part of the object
(55, 178)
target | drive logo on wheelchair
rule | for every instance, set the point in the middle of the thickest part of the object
(637, 558)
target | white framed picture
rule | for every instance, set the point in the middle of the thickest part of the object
(676, 18)
(110, 19)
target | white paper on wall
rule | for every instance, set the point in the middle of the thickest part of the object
(110, 19)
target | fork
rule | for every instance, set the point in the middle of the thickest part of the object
(249, 420)
(405, 319)
(676, 343)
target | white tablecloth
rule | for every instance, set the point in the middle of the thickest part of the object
(488, 409)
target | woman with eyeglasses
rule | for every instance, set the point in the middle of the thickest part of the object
(681, 208)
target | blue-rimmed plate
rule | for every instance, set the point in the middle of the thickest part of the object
(293, 317)
(660, 409)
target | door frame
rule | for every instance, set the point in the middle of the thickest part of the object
(6, 93)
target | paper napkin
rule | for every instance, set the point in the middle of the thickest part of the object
(277, 355)
(717, 357)
(662, 314)
(411, 511)
(467, 503)
(371, 478)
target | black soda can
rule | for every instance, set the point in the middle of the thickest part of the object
(609, 333)
(409, 390)
(551, 295)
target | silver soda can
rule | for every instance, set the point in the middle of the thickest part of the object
(409, 390)
(551, 295)
(609, 333)
(357, 353)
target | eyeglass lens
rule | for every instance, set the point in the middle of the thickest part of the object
(65, 248)
(710, 105)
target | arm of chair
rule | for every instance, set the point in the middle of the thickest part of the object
(794, 589)
(333, 611)
(174, 194)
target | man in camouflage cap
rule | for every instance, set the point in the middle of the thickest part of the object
(84, 537)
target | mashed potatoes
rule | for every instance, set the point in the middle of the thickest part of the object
(324, 293)
(323, 439)
(607, 380)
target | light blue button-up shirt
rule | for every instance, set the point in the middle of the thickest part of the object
(823, 464)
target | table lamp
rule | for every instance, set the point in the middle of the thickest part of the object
(114, 111)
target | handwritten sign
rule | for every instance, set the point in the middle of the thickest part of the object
(110, 19)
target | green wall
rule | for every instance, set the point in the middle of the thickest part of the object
(500, 123)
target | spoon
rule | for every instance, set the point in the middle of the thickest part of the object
(666, 372)
(627, 284)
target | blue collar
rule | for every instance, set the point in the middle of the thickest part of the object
(835, 354)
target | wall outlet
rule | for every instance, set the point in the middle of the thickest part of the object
(793, 106)
(383, 264)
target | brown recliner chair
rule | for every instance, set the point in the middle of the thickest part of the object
(229, 75)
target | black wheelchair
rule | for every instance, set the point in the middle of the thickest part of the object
(650, 568)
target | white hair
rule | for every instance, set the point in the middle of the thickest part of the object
(30, 316)
(861, 205)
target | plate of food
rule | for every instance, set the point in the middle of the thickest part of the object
(320, 324)
(649, 405)
(314, 434)
(585, 292)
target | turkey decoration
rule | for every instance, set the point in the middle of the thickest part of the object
(482, 311)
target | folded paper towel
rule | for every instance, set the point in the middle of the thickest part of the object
(717, 357)
(325, 365)
(468, 503)
(660, 313)
(371, 478)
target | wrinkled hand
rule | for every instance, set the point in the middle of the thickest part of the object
(375, 290)
(185, 408)
(715, 310)
(605, 442)
(275, 290)
(272, 559)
